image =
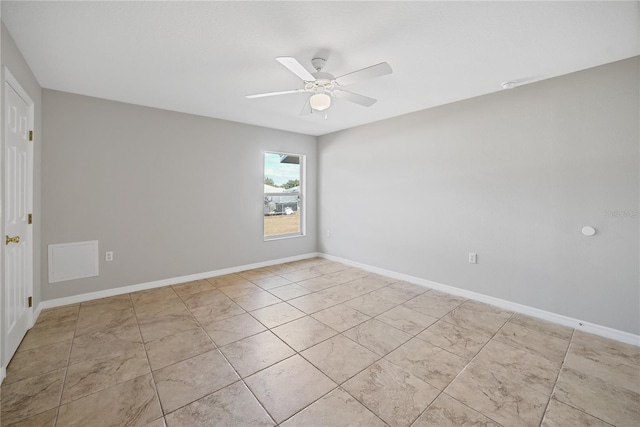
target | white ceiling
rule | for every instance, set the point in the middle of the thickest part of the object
(203, 57)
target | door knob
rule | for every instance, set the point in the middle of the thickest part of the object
(14, 239)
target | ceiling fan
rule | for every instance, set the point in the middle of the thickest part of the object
(324, 86)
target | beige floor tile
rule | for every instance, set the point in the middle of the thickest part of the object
(539, 325)
(464, 342)
(445, 411)
(340, 317)
(518, 365)
(313, 302)
(38, 361)
(256, 300)
(220, 310)
(256, 274)
(330, 267)
(232, 329)
(288, 386)
(103, 372)
(130, 403)
(560, 415)
(377, 336)
(605, 347)
(226, 280)
(90, 358)
(545, 345)
(288, 292)
(271, 282)
(400, 292)
(609, 367)
(285, 267)
(252, 354)
(357, 287)
(30, 396)
(507, 402)
(240, 289)
(200, 299)
(342, 293)
(431, 364)
(608, 402)
(192, 379)
(370, 304)
(58, 315)
(190, 288)
(233, 406)
(154, 295)
(48, 333)
(475, 315)
(167, 324)
(44, 419)
(391, 393)
(340, 358)
(407, 320)
(609, 360)
(320, 283)
(105, 316)
(434, 303)
(157, 423)
(152, 308)
(304, 274)
(303, 333)
(335, 409)
(347, 275)
(177, 347)
(277, 314)
(102, 343)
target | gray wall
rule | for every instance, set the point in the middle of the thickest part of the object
(513, 176)
(170, 194)
(13, 60)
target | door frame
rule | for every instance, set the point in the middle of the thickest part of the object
(10, 80)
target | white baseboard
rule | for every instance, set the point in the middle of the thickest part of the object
(593, 328)
(582, 325)
(160, 283)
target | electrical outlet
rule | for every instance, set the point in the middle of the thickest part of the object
(473, 258)
(329, 233)
(108, 256)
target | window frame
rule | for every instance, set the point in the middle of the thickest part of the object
(302, 206)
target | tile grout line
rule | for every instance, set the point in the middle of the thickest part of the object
(464, 369)
(297, 353)
(144, 347)
(66, 369)
(555, 383)
(240, 378)
(468, 364)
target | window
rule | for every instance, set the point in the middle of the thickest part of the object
(283, 195)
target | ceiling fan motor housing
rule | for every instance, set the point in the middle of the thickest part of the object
(318, 63)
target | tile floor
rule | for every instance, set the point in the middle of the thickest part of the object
(312, 343)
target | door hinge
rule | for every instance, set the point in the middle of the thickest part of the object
(30, 219)
(30, 135)
(30, 301)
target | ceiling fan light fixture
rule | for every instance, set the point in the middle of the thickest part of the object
(320, 101)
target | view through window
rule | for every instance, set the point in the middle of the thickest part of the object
(283, 195)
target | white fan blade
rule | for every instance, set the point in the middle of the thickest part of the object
(306, 108)
(354, 97)
(296, 68)
(284, 92)
(377, 70)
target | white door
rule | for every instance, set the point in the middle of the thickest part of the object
(18, 181)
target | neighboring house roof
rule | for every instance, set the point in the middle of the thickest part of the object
(272, 189)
